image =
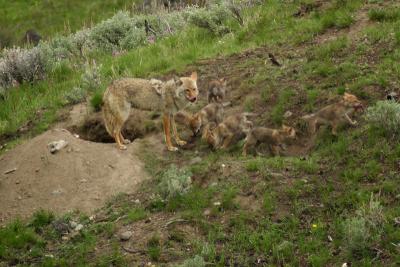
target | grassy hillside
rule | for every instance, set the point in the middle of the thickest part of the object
(50, 17)
(334, 202)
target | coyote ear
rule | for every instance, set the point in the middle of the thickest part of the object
(194, 76)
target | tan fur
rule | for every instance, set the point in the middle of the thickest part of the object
(231, 129)
(168, 97)
(195, 122)
(216, 91)
(334, 114)
(273, 137)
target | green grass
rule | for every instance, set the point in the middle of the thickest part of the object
(53, 17)
(278, 211)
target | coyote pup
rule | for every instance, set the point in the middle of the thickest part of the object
(273, 137)
(334, 114)
(168, 97)
(216, 90)
(232, 128)
(211, 113)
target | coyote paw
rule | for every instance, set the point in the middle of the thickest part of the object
(122, 147)
(172, 148)
(126, 141)
(181, 142)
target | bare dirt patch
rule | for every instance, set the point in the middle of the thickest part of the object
(81, 176)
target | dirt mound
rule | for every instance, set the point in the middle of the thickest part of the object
(82, 175)
(90, 125)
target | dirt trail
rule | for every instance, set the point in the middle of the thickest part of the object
(81, 176)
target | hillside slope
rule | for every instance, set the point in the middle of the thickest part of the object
(329, 200)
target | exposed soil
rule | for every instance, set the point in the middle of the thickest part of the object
(83, 175)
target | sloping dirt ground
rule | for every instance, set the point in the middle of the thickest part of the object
(83, 175)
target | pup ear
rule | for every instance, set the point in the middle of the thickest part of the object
(178, 81)
(194, 76)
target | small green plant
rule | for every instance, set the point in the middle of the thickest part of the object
(384, 117)
(91, 78)
(380, 14)
(136, 214)
(154, 248)
(364, 229)
(96, 101)
(280, 108)
(174, 182)
(197, 261)
(75, 95)
(41, 218)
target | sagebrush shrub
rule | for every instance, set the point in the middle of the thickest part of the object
(23, 65)
(197, 261)
(120, 32)
(174, 182)
(385, 116)
(108, 34)
(365, 228)
(91, 77)
(357, 234)
(211, 19)
(75, 95)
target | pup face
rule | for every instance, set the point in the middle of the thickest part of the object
(190, 87)
(353, 101)
(219, 88)
(290, 132)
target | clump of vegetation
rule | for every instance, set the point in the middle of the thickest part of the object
(97, 101)
(364, 229)
(197, 261)
(20, 65)
(117, 33)
(91, 78)
(381, 14)
(174, 182)
(385, 116)
(75, 95)
(154, 247)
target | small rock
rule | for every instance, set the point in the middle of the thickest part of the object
(287, 114)
(37, 170)
(125, 236)
(330, 238)
(65, 238)
(19, 198)
(137, 201)
(223, 165)
(17, 182)
(91, 218)
(73, 224)
(55, 146)
(195, 160)
(217, 203)
(83, 181)
(345, 264)
(397, 220)
(79, 227)
(207, 212)
(76, 135)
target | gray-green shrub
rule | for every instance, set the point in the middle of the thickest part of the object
(174, 182)
(385, 116)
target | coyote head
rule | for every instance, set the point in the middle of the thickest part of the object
(352, 101)
(188, 85)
